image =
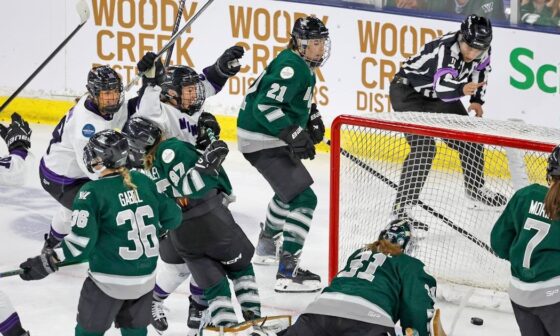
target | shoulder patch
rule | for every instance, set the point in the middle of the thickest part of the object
(287, 72)
(84, 194)
(88, 130)
(168, 155)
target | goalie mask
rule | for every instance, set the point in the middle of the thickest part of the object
(107, 148)
(553, 166)
(106, 89)
(141, 135)
(310, 38)
(183, 89)
(397, 232)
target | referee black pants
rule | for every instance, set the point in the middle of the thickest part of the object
(418, 162)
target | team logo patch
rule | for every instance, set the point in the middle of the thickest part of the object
(88, 131)
(287, 72)
(168, 155)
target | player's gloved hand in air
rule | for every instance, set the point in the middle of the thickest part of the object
(315, 125)
(228, 64)
(299, 141)
(18, 134)
(212, 158)
(39, 267)
(151, 74)
(206, 121)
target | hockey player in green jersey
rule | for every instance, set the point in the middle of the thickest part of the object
(528, 235)
(116, 221)
(379, 285)
(209, 240)
(277, 127)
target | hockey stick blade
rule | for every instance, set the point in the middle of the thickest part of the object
(423, 205)
(171, 41)
(11, 273)
(83, 11)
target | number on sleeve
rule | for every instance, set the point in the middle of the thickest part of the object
(275, 87)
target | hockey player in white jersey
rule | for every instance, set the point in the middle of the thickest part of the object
(61, 169)
(12, 173)
(18, 139)
(173, 100)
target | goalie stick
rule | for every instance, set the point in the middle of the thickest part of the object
(423, 205)
(83, 11)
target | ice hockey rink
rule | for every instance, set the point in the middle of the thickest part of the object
(48, 307)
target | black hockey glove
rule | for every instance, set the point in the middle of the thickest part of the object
(206, 121)
(212, 158)
(315, 125)
(299, 141)
(228, 64)
(151, 75)
(39, 267)
(18, 134)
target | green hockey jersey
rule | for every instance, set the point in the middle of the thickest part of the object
(526, 237)
(117, 229)
(380, 289)
(174, 173)
(280, 97)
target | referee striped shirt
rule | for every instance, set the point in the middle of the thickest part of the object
(439, 71)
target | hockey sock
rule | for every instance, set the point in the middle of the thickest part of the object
(275, 216)
(298, 221)
(169, 277)
(79, 331)
(11, 326)
(220, 305)
(61, 224)
(197, 294)
(134, 332)
(247, 292)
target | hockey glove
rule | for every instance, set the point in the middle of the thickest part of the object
(299, 141)
(315, 125)
(212, 158)
(39, 267)
(228, 64)
(152, 74)
(206, 121)
(18, 134)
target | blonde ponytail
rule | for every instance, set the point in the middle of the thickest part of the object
(384, 246)
(150, 156)
(125, 173)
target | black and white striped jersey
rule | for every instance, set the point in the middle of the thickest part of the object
(439, 71)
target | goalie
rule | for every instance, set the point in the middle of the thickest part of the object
(380, 285)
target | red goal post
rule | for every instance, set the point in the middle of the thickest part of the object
(366, 159)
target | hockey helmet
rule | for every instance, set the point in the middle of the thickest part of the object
(476, 31)
(108, 148)
(104, 78)
(141, 135)
(553, 166)
(172, 88)
(307, 29)
(397, 232)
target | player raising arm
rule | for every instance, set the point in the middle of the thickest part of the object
(18, 139)
(116, 223)
(528, 235)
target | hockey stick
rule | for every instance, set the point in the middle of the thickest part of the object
(175, 28)
(11, 273)
(171, 41)
(423, 205)
(83, 11)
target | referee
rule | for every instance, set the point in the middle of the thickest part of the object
(455, 65)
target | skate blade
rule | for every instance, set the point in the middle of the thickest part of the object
(288, 286)
(265, 260)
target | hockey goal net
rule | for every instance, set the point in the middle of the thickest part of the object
(458, 209)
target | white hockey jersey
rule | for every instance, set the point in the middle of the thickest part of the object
(173, 122)
(12, 168)
(65, 153)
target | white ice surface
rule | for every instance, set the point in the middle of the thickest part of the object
(48, 307)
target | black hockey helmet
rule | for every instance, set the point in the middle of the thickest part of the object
(476, 31)
(553, 166)
(311, 28)
(104, 78)
(176, 78)
(397, 232)
(108, 148)
(141, 134)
